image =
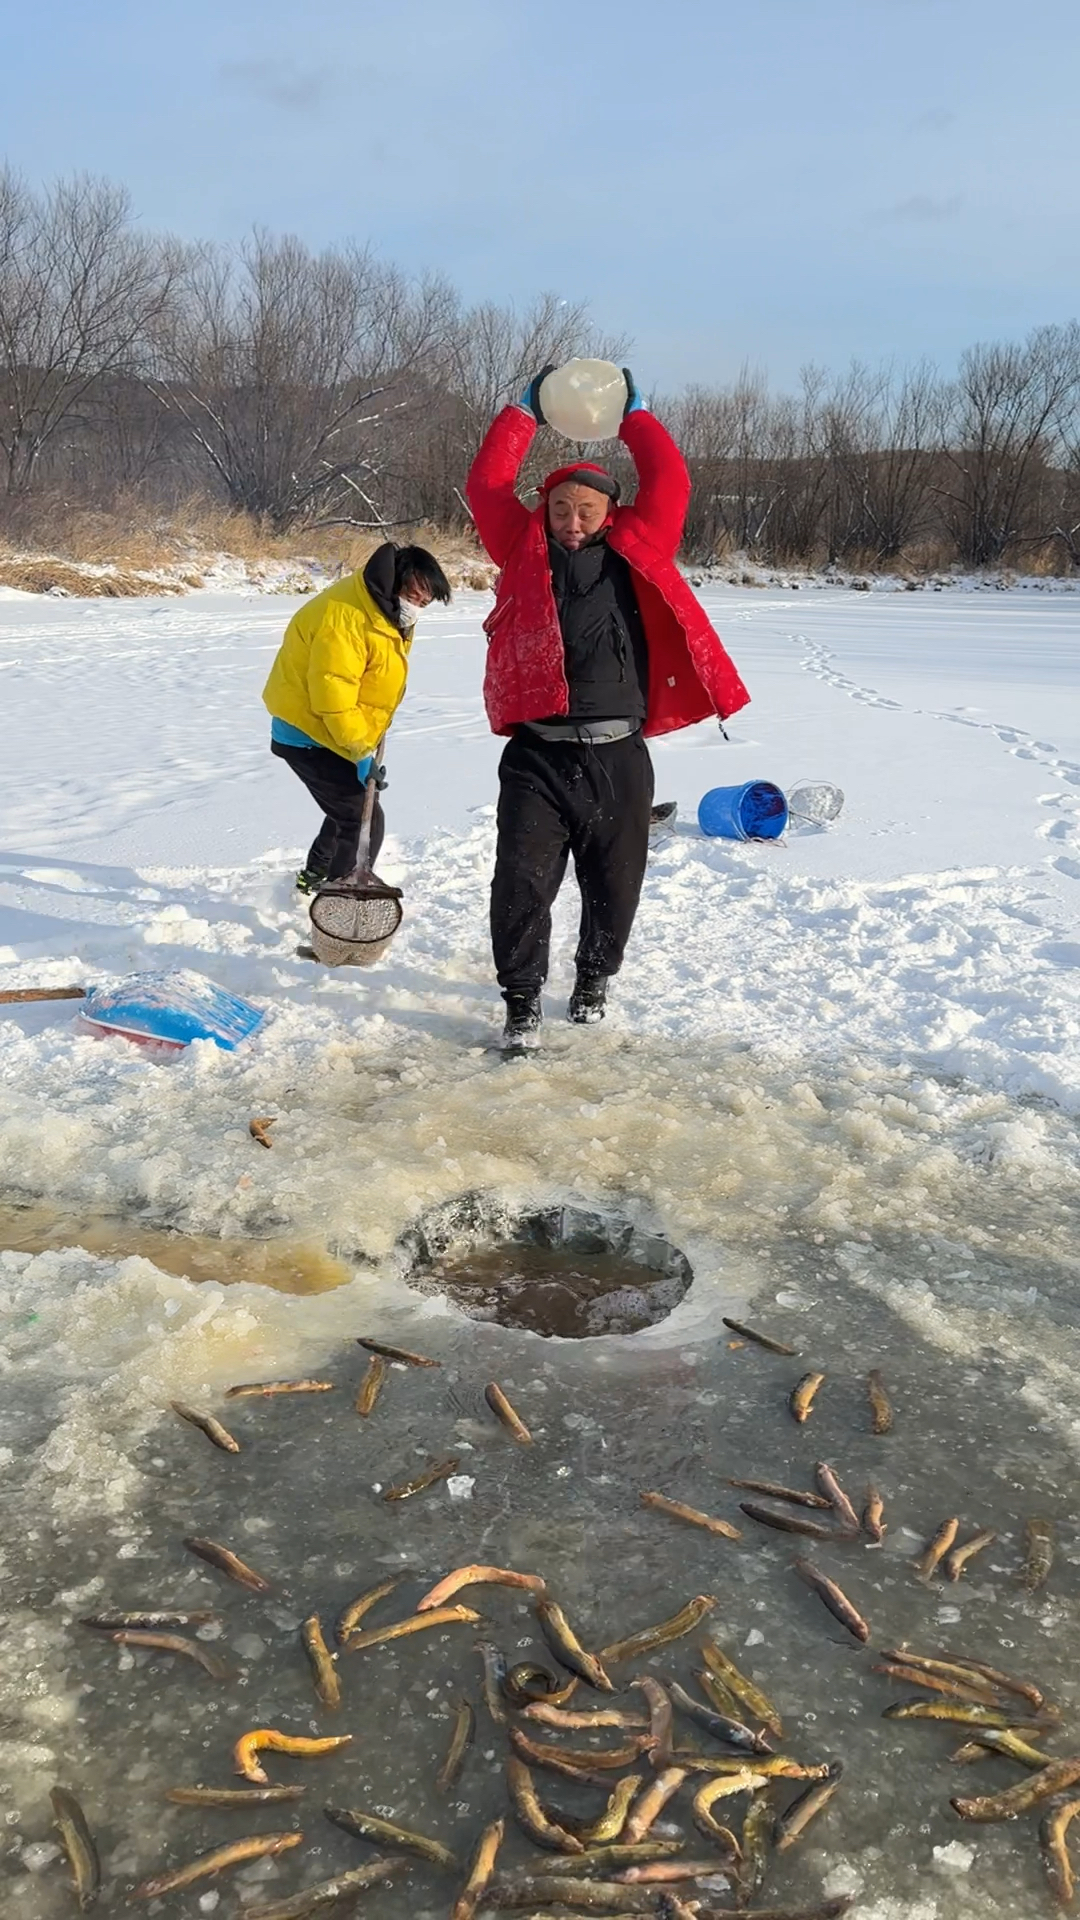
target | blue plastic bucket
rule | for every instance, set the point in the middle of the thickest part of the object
(755, 811)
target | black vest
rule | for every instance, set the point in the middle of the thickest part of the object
(605, 653)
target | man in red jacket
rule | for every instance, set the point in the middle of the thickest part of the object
(594, 642)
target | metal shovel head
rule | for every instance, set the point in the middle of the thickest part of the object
(353, 921)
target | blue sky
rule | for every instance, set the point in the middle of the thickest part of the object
(771, 181)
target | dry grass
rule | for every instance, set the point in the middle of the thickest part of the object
(32, 573)
(49, 548)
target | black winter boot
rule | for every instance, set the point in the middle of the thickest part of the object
(524, 1018)
(587, 1002)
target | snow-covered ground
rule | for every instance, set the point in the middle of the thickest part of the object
(854, 1055)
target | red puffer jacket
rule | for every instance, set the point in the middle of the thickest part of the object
(690, 675)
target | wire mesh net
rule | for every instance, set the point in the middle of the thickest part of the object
(817, 802)
(353, 926)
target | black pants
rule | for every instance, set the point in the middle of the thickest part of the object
(333, 785)
(555, 800)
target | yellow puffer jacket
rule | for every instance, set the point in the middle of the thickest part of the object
(340, 671)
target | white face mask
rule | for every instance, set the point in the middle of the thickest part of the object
(408, 612)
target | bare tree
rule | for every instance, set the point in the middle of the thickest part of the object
(1001, 429)
(79, 292)
(289, 369)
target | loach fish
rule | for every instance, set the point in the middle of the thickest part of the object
(350, 1617)
(756, 1839)
(600, 1833)
(684, 1621)
(660, 1873)
(438, 1617)
(661, 1504)
(232, 1796)
(501, 1408)
(171, 1643)
(993, 1677)
(461, 1740)
(650, 1804)
(793, 1495)
(1055, 1852)
(324, 1672)
(369, 1826)
(255, 1847)
(872, 1520)
(633, 1854)
(261, 1739)
(1055, 1777)
(661, 1719)
(749, 1696)
(206, 1423)
(440, 1471)
(881, 1413)
(494, 1680)
(481, 1869)
(835, 1599)
(397, 1353)
(771, 1766)
(328, 1896)
(147, 1621)
(78, 1844)
(530, 1815)
(1002, 1740)
(927, 1563)
(790, 1825)
(934, 1682)
(789, 1522)
(477, 1576)
(723, 1787)
(732, 1732)
(599, 1760)
(568, 1649)
(226, 1563)
(527, 1682)
(544, 1889)
(718, 1695)
(760, 1339)
(250, 1388)
(837, 1498)
(372, 1384)
(962, 1671)
(801, 1399)
(958, 1712)
(957, 1559)
(562, 1718)
(1038, 1554)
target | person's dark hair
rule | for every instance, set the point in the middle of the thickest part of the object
(416, 563)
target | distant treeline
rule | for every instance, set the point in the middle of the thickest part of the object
(315, 390)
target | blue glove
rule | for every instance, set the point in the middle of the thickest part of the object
(530, 399)
(634, 401)
(363, 768)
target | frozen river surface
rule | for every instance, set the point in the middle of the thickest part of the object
(841, 1074)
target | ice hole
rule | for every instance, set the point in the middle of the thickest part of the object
(570, 1272)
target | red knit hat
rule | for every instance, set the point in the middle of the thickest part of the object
(587, 474)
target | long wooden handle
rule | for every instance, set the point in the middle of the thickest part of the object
(17, 994)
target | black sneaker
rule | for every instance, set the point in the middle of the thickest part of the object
(524, 1018)
(588, 1000)
(309, 882)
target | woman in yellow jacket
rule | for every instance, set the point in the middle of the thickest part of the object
(338, 679)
